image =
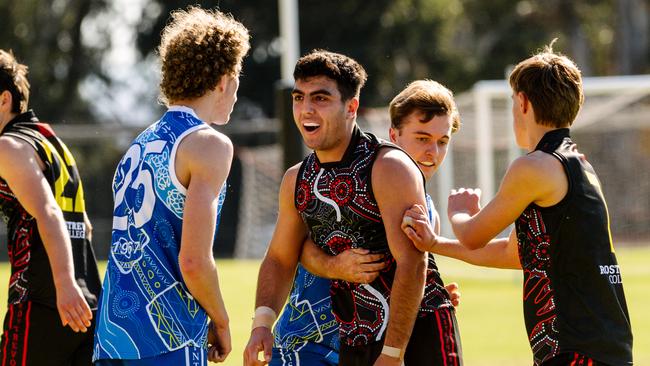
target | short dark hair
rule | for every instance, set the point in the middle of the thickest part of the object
(196, 49)
(348, 74)
(553, 84)
(427, 96)
(13, 77)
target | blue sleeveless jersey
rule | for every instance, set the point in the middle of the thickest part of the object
(307, 322)
(307, 328)
(145, 307)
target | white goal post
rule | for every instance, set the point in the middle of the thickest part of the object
(619, 92)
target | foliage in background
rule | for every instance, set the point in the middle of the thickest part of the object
(65, 42)
(457, 42)
(47, 36)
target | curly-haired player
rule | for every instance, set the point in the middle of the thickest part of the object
(161, 284)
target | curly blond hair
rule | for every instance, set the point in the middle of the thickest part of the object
(196, 49)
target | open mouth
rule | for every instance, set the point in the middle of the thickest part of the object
(311, 127)
(428, 164)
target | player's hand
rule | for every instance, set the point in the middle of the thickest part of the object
(358, 265)
(454, 293)
(464, 200)
(384, 360)
(73, 308)
(261, 340)
(219, 343)
(417, 227)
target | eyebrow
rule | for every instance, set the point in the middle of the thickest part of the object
(315, 92)
(429, 135)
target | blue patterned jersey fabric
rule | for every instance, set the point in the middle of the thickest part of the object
(307, 328)
(145, 307)
(307, 323)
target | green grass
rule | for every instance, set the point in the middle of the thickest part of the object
(490, 315)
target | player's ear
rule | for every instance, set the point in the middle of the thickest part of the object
(523, 102)
(6, 100)
(352, 107)
(392, 133)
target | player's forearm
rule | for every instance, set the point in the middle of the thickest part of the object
(316, 261)
(461, 223)
(406, 296)
(53, 232)
(202, 280)
(495, 254)
(274, 283)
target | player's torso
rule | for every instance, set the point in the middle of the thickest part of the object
(146, 308)
(573, 294)
(31, 277)
(337, 204)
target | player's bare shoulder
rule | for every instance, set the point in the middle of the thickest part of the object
(206, 143)
(288, 185)
(15, 153)
(394, 167)
(204, 152)
(541, 173)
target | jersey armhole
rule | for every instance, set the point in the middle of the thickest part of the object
(172, 157)
(301, 170)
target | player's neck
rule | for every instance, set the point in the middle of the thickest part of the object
(204, 107)
(535, 134)
(336, 152)
(6, 118)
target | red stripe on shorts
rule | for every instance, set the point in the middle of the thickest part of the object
(29, 308)
(442, 338)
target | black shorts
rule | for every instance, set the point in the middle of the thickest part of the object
(33, 336)
(572, 359)
(435, 341)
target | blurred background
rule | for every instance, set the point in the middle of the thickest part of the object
(94, 75)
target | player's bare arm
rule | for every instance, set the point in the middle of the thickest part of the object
(353, 265)
(535, 178)
(21, 168)
(394, 172)
(498, 253)
(197, 170)
(277, 269)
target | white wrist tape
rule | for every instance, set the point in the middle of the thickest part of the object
(393, 352)
(264, 317)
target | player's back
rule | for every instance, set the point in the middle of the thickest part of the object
(146, 308)
(573, 291)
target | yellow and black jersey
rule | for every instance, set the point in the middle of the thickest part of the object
(31, 275)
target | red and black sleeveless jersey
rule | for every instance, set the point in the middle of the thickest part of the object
(31, 275)
(573, 292)
(337, 204)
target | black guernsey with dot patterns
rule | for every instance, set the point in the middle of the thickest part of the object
(336, 203)
(573, 292)
(31, 274)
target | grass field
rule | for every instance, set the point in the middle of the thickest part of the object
(490, 315)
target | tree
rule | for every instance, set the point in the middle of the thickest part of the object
(47, 36)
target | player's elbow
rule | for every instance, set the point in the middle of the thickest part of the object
(193, 266)
(415, 262)
(468, 238)
(48, 215)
